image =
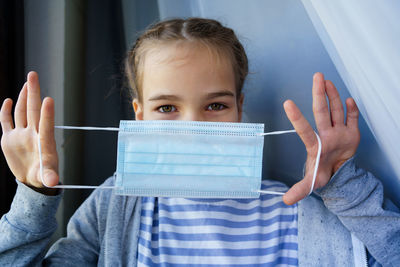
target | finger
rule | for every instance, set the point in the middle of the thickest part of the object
(46, 126)
(5, 116)
(46, 131)
(320, 106)
(300, 124)
(297, 192)
(20, 108)
(50, 177)
(34, 102)
(352, 113)
(335, 104)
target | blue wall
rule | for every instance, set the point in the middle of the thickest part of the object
(284, 51)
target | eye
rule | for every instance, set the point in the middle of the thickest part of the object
(166, 109)
(216, 106)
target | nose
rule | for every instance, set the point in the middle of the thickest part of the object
(192, 115)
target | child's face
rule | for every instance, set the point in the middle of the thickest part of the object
(186, 82)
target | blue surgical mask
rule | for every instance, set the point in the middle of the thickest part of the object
(188, 159)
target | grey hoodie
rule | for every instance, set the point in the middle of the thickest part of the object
(104, 230)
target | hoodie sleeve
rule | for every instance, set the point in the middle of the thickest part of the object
(26, 229)
(356, 197)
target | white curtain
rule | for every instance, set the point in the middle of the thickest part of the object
(363, 39)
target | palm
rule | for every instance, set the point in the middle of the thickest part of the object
(20, 143)
(339, 138)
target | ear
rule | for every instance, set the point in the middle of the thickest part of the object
(138, 108)
(240, 106)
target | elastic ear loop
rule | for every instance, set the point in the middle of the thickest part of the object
(315, 168)
(118, 129)
(73, 186)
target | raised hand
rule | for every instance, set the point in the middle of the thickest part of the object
(339, 138)
(19, 143)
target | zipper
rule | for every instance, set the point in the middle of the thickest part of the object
(359, 252)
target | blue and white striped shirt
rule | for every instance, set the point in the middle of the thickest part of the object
(215, 232)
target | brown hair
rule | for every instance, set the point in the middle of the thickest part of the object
(207, 31)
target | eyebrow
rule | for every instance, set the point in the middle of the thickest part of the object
(177, 98)
(164, 97)
(220, 94)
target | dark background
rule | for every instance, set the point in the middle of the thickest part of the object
(12, 74)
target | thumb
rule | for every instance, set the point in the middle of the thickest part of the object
(50, 177)
(297, 192)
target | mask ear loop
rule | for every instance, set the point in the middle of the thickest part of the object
(71, 186)
(315, 168)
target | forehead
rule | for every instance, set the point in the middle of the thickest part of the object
(178, 52)
(186, 67)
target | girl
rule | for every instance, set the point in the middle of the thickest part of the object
(194, 69)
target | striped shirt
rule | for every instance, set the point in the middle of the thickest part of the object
(216, 232)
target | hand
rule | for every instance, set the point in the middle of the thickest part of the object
(339, 139)
(19, 143)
